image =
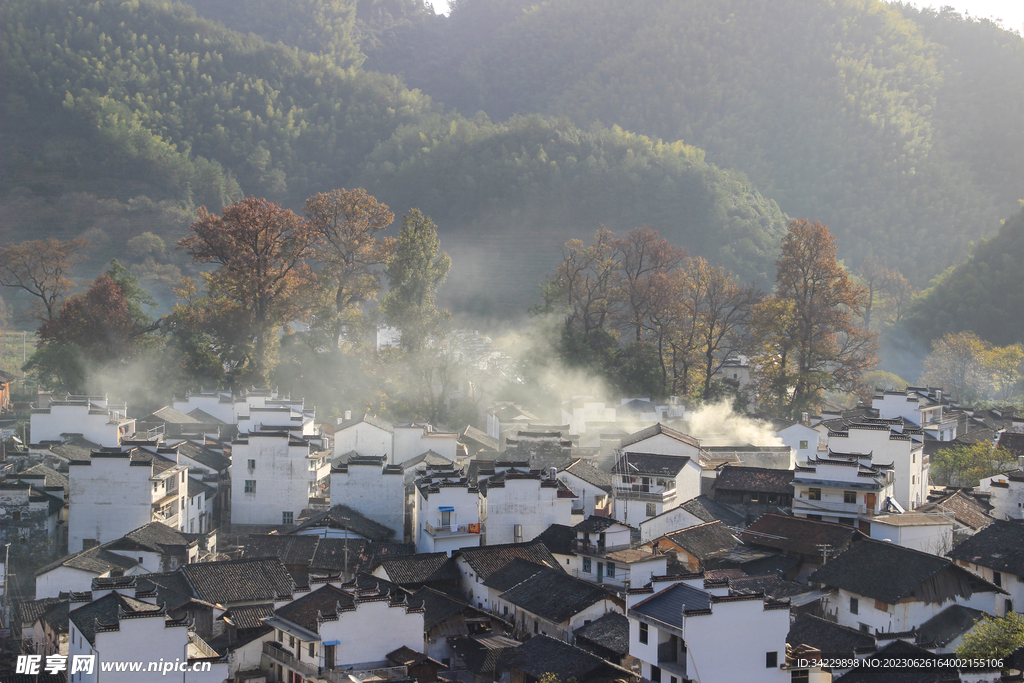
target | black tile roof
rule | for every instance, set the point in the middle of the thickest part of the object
(542, 655)
(246, 580)
(204, 456)
(759, 479)
(708, 510)
(98, 560)
(667, 605)
(378, 422)
(610, 632)
(797, 535)
(965, 508)
(155, 536)
(512, 574)
(291, 549)
(481, 654)
(344, 517)
(324, 601)
(595, 525)
(947, 626)
(437, 606)
(105, 612)
(900, 649)
(999, 546)
(866, 568)
(590, 474)
(422, 568)
(650, 464)
(363, 556)
(704, 540)
(656, 429)
(170, 588)
(832, 639)
(772, 585)
(170, 416)
(27, 611)
(558, 538)
(554, 595)
(485, 560)
(51, 477)
(249, 616)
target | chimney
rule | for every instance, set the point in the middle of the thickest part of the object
(552, 471)
(938, 395)
(805, 419)
(348, 415)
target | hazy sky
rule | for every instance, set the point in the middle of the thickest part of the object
(1010, 11)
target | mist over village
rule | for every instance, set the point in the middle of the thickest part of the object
(517, 341)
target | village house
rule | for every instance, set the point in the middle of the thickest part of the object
(415, 438)
(866, 596)
(922, 407)
(842, 487)
(445, 616)
(967, 510)
(996, 553)
(366, 435)
(543, 658)
(694, 546)
(149, 488)
(753, 488)
(412, 572)
(478, 564)
(552, 603)
(50, 630)
(517, 505)
(607, 637)
(929, 532)
(505, 418)
(326, 631)
(115, 627)
(647, 484)
(92, 417)
(677, 631)
(803, 439)
(592, 487)
(885, 445)
(811, 542)
(540, 449)
(603, 553)
(30, 518)
(446, 512)
(275, 473)
(661, 440)
(1006, 491)
(691, 513)
(372, 487)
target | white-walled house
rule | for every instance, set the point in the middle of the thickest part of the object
(841, 487)
(679, 631)
(802, 438)
(592, 486)
(930, 533)
(1006, 494)
(994, 554)
(517, 505)
(885, 445)
(446, 513)
(367, 435)
(116, 491)
(418, 438)
(661, 440)
(333, 630)
(922, 407)
(274, 474)
(647, 484)
(118, 628)
(372, 487)
(93, 417)
(883, 587)
(505, 417)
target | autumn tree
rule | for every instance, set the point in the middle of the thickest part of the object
(260, 250)
(106, 324)
(642, 257)
(1003, 365)
(42, 268)
(346, 223)
(587, 282)
(815, 339)
(415, 271)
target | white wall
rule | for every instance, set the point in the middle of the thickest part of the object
(49, 424)
(662, 444)
(900, 617)
(795, 436)
(673, 520)
(208, 403)
(107, 498)
(525, 502)
(364, 439)
(936, 539)
(370, 632)
(910, 485)
(586, 491)
(411, 441)
(1007, 496)
(365, 489)
(50, 584)
(753, 632)
(282, 477)
(466, 506)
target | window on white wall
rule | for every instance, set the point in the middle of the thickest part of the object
(287, 517)
(250, 486)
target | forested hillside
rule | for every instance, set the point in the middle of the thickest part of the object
(899, 128)
(120, 118)
(982, 295)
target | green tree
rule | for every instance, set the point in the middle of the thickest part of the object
(965, 465)
(414, 273)
(993, 638)
(957, 363)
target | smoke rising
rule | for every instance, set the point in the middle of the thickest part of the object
(719, 423)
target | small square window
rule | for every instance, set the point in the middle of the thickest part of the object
(771, 660)
(611, 569)
(813, 494)
(803, 445)
(652, 509)
(849, 496)
(287, 517)
(250, 486)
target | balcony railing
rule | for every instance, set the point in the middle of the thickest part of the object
(278, 654)
(448, 530)
(580, 546)
(343, 674)
(805, 504)
(671, 660)
(643, 493)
